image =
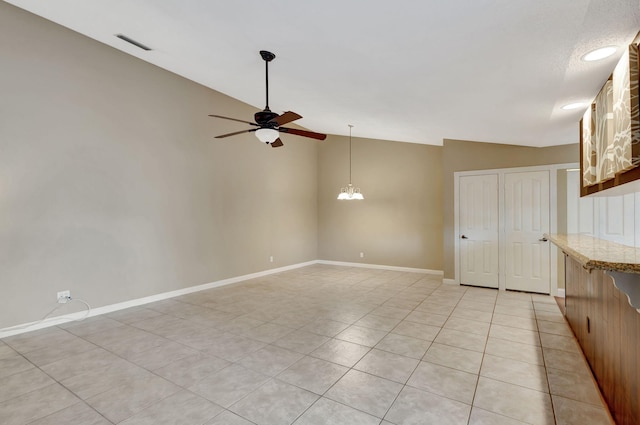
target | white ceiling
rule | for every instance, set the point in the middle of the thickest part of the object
(405, 70)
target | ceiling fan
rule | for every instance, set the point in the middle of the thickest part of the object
(269, 123)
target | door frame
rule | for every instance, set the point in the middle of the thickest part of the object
(553, 218)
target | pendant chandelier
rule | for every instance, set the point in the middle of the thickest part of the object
(350, 191)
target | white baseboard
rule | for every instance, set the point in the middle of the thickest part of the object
(32, 326)
(381, 267)
(27, 327)
(561, 292)
(450, 281)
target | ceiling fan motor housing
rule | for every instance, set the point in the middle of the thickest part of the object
(264, 117)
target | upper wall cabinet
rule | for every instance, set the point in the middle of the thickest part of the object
(610, 129)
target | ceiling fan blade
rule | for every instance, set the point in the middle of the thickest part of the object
(303, 133)
(277, 143)
(234, 119)
(286, 118)
(222, 136)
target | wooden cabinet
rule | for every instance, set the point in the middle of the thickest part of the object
(608, 330)
(610, 129)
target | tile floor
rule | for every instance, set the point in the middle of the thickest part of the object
(316, 345)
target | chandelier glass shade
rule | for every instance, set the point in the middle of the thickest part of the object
(350, 192)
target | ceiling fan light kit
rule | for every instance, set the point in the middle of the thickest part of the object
(269, 123)
(350, 192)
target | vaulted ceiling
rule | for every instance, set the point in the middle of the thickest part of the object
(403, 70)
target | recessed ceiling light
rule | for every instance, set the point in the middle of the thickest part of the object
(596, 55)
(576, 105)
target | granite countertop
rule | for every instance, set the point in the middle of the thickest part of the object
(596, 253)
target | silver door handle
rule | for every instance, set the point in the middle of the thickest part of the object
(543, 239)
(463, 237)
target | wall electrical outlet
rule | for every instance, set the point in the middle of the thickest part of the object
(271, 259)
(63, 297)
(362, 255)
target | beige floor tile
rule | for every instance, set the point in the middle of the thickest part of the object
(268, 333)
(189, 370)
(555, 328)
(76, 414)
(428, 307)
(416, 330)
(233, 347)
(454, 357)
(270, 360)
(522, 336)
(476, 306)
(574, 386)
(560, 342)
(125, 400)
(364, 392)
(161, 355)
(451, 383)
(514, 311)
(229, 385)
(14, 363)
(571, 412)
(404, 345)
(416, 407)
(191, 341)
(393, 312)
(384, 364)
(461, 340)
(466, 325)
(325, 327)
(524, 404)
(39, 339)
(133, 314)
(515, 350)
(301, 341)
(228, 418)
(528, 323)
(515, 372)
(274, 403)
(564, 360)
(550, 316)
(546, 306)
(484, 417)
(91, 325)
(184, 408)
(23, 382)
(99, 380)
(328, 412)
(341, 352)
(313, 374)
(6, 351)
(467, 313)
(36, 404)
(363, 336)
(379, 323)
(81, 363)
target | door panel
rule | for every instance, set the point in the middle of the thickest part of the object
(526, 220)
(478, 225)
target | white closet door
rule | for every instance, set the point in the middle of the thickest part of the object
(527, 254)
(479, 230)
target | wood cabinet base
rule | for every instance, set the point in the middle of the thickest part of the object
(608, 330)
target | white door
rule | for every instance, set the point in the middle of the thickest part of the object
(526, 196)
(478, 226)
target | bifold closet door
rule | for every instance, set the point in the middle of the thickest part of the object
(526, 220)
(479, 230)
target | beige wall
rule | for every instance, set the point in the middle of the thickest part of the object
(112, 185)
(459, 155)
(399, 223)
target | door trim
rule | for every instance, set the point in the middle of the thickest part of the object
(553, 217)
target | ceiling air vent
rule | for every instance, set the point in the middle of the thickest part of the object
(131, 41)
